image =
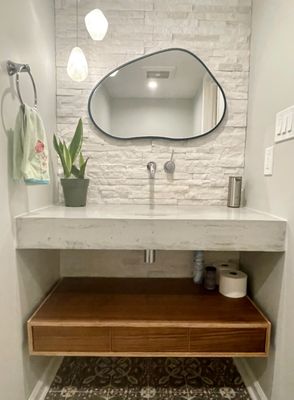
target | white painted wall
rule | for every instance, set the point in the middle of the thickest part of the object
(171, 264)
(101, 109)
(153, 117)
(197, 114)
(272, 278)
(26, 35)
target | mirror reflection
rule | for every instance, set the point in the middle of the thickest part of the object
(169, 94)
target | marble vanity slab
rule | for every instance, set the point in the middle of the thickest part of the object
(140, 227)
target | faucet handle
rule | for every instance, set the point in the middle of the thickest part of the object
(170, 166)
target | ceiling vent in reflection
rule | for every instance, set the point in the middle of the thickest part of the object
(159, 72)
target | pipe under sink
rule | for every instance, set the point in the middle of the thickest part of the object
(149, 256)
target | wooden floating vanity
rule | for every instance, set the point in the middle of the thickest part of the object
(145, 317)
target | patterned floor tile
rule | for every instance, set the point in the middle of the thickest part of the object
(104, 378)
(212, 372)
(227, 393)
(86, 395)
(167, 372)
(167, 393)
(66, 373)
(130, 373)
(124, 393)
(93, 373)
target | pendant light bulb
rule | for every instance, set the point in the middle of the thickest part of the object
(77, 66)
(96, 24)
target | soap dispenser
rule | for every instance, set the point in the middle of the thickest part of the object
(198, 267)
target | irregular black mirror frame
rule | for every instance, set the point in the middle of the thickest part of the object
(158, 137)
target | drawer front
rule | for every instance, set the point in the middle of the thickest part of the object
(70, 339)
(228, 340)
(153, 340)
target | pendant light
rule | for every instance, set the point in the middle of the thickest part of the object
(77, 66)
(96, 24)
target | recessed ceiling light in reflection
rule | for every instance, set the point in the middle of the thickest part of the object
(114, 74)
(152, 85)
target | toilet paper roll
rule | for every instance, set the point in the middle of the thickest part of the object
(224, 267)
(233, 283)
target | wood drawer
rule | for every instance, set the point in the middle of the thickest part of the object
(228, 340)
(145, 317)
(71, 339)
(153, 340)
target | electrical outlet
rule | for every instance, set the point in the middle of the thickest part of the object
(268, 160)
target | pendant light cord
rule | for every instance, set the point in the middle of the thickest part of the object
(77, 22)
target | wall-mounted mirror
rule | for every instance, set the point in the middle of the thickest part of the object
(169, 94)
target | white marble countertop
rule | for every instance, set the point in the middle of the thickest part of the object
(145, 212)
(162, 227)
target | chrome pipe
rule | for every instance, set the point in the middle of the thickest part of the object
(149, 256)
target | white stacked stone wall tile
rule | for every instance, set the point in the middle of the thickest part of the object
(217, 31)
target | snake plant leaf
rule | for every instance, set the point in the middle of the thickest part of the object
(58, 146)
(68, 154)
(67, 161)
(76, 143)
(80, 173)
(75, 171)
(83, 168)
(82, 160)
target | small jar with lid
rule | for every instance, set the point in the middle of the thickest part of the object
(210, 278)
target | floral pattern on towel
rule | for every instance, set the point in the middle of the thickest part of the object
(41, 156)
(39, 147)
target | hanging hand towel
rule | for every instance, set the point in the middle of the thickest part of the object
(30, 149)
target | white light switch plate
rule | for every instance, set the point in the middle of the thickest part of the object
(284, 125)
(268, 160)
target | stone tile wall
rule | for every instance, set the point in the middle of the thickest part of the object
(218, 31)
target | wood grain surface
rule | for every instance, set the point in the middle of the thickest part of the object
(145, 316)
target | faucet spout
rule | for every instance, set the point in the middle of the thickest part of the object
(151, 167)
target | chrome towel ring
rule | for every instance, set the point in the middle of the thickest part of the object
(15, 69)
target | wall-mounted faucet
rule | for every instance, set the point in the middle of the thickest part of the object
(151, 167)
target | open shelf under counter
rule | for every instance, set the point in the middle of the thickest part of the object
(145, 317)
(134, 227)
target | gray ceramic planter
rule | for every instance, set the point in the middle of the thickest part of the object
(75, 192)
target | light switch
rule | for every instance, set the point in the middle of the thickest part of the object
(284, 124)
(289, 122)
(268, 160)
(284, 129)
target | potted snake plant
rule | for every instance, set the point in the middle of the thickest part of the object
(74, 183)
